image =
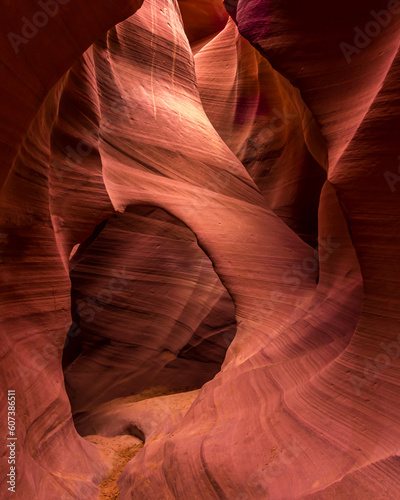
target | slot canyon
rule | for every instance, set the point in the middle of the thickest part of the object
(199, 224)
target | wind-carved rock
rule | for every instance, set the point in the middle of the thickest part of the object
(198, 236)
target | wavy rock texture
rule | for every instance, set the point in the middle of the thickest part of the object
(166, 184)
(153, 313)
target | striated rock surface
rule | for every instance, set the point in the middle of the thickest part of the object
(153, 313)
(199, 230)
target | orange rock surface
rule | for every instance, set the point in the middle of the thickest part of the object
(199, 230)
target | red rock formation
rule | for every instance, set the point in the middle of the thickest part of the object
(164, 189)
(152, 313)
(202, 20)
(264, 121)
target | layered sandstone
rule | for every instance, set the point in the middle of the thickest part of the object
(199, 230)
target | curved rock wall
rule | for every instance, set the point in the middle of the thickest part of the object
(247, 172)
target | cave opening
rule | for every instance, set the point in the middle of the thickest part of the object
(149, 314)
